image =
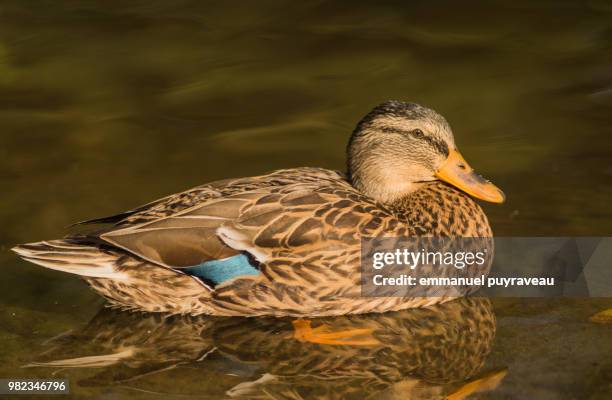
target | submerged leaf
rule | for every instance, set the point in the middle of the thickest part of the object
(602, 317)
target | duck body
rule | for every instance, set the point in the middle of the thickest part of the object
(283, 244)
(299, 230)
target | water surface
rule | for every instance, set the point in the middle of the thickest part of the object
(104, 109)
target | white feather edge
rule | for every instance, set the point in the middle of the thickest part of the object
(239, 241)
(93, 267)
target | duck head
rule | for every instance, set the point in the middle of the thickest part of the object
(398, 146)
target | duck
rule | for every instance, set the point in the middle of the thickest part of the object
(421, 353)
(286, 243)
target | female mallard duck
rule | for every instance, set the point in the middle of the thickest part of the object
(285, 243)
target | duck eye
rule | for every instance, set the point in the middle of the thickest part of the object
(417, 133)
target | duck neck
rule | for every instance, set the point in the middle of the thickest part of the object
(387, 189)
(439, 209)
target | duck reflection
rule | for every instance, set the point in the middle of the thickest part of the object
(418, 353)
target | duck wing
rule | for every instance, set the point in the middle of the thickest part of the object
(303, 208)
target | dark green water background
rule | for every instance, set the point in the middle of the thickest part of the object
(104, 108)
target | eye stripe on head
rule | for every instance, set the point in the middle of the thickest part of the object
(440, 146)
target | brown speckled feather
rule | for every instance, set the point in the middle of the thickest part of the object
(302, 225)
(289, 242)
(307, 208)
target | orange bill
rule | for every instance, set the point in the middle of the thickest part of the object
(456, 171)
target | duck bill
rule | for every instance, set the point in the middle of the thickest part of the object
(456, 171)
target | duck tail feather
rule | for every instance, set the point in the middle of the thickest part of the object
(74, 258)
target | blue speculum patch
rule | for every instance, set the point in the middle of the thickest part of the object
(219, 271)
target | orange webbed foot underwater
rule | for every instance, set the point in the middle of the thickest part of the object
(322, 334)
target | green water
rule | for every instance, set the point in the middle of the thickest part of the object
(102, 109)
